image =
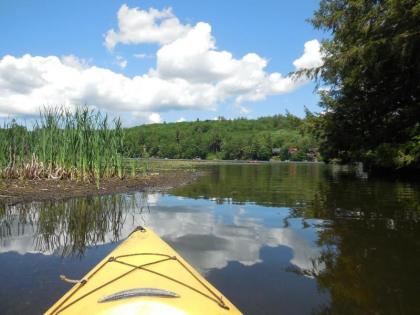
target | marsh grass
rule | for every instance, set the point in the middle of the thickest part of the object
(79, 145)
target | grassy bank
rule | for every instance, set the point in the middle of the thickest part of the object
(81, 145)
(14, 191)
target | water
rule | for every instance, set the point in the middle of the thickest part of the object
(274, 238)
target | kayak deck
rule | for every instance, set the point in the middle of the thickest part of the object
(143, 275)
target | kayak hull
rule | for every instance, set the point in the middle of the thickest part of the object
(143, 275)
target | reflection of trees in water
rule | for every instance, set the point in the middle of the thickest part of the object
(72, 225)
(373, 269)
(265, 184)
(271, 184)
(371, 247)
(369, 230)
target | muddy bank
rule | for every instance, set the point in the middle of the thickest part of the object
(17, 191)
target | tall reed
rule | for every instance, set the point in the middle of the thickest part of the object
(82, 144)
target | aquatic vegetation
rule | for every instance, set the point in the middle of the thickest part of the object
(79, 145)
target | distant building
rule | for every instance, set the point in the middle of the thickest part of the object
(293, 150)
(276, 151)
(312, 154)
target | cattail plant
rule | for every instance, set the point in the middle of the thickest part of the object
(78, 145)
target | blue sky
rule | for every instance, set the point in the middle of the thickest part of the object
(274, 30)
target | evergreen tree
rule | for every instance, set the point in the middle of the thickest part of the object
(371, 72)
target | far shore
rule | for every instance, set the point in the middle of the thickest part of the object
(216, 161)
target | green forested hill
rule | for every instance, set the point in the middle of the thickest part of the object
(224, 139)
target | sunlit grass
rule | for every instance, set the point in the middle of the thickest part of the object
(78, 145)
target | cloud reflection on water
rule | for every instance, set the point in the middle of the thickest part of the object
(206, 234)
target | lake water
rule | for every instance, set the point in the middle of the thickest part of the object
(274, 238)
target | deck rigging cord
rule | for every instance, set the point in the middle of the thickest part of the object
(117, 259)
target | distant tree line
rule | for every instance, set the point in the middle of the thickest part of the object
(283, 137)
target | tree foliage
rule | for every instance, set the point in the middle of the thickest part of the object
(222, 139)
(371, 73)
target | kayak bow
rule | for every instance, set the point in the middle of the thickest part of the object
(143, 275)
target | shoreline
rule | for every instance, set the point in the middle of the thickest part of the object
(205, 161)
(14, 191)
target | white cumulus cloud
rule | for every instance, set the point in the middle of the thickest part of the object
(147, 117)
(155, 118)
(312, 56)
(121, 62)
(137, 26)
(190, 73)
(28, 83)
(142, 56)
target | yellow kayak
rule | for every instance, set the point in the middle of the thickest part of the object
(143, 275)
